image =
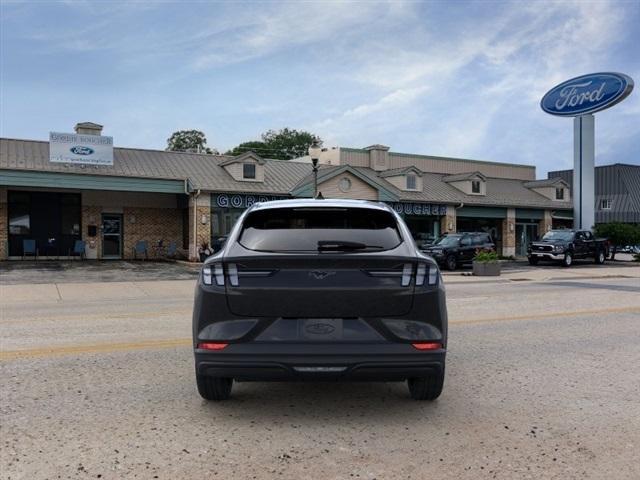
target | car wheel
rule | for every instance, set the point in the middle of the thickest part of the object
(451, 262)
(533, 261)
(568, 259)
(600, 257)
(426, 388)
(214, 388)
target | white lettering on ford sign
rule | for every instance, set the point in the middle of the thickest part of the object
(80, 149)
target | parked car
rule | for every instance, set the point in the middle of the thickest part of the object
(320, 290)
(629, 249)
(455, 249)
(564, 246)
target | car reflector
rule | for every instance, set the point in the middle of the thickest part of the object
(427, 346)
(212, 346)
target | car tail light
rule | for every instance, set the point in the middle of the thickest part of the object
(232, 270)
(427, 346)
(209, 272)
(212, 346)
(423, 271)
(407, 270)
(405, 274)
(428, 272)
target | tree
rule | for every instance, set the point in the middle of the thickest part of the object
(188, 141)
(619, 234)
(255, 146)
(283, 144)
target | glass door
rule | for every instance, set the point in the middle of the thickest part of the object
(525, 234)
(111, 235)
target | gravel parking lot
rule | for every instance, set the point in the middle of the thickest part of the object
(97, 382)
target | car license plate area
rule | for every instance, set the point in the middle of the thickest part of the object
(320, 329)
(309, 330)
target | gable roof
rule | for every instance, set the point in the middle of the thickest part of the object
(395, 172)
(500, 192)
(304, 188)
(203, 171)
(547, 182)
(207, 172)
(243, 157)
(459, 177)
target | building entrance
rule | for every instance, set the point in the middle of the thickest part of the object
(111, 236)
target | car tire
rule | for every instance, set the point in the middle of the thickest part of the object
(533, 261)
(214, 388)
(600, 257)
(426, 388)
(567, 261)
(451, 263)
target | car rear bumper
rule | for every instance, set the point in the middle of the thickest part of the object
(285, 362)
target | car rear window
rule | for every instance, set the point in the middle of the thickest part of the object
(305, 229)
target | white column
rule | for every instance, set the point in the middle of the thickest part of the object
(583, 172)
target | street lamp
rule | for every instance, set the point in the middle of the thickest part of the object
(314, 153)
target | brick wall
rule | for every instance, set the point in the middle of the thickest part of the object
(151, 225)
(509, 233)
(202, 206)
(448, 222)
(4, 224)
(545, 224)
(91, 215)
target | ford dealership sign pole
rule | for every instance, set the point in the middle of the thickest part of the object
(580, 97)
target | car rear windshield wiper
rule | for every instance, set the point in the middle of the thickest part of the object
(343, 245)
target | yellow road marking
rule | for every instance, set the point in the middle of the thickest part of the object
(183, 342)
(96, 348)
(99, 316)
(547, 315)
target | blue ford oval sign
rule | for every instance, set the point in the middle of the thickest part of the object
(79, 150)
(587, 94)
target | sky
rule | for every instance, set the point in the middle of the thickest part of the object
(450, 78)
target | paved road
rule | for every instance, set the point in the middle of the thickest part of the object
(542, 382)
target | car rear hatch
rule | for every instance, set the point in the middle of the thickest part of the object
(319, 286)
(319, 263)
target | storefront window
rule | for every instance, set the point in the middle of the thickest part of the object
(70, 214)
(425, 230)
(223, 220)
(492, 226)
(51, 219)
(19, 213)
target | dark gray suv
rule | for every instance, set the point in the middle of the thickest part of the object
(320, 290)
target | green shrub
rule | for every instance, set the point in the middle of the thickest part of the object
(486, 257)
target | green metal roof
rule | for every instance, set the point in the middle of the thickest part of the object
(30, 178)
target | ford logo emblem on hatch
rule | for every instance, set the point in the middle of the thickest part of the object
(319, 328)
(79, 150)
(587, 94)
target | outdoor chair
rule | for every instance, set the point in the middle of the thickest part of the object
(29, 248)
(78, 249)
(141, 249)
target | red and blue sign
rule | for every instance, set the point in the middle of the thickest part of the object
(587, 94)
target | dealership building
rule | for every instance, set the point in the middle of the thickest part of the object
(79, 187)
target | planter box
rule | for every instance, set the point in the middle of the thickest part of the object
(486, 269)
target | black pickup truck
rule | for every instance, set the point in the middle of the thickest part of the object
(565, 246)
